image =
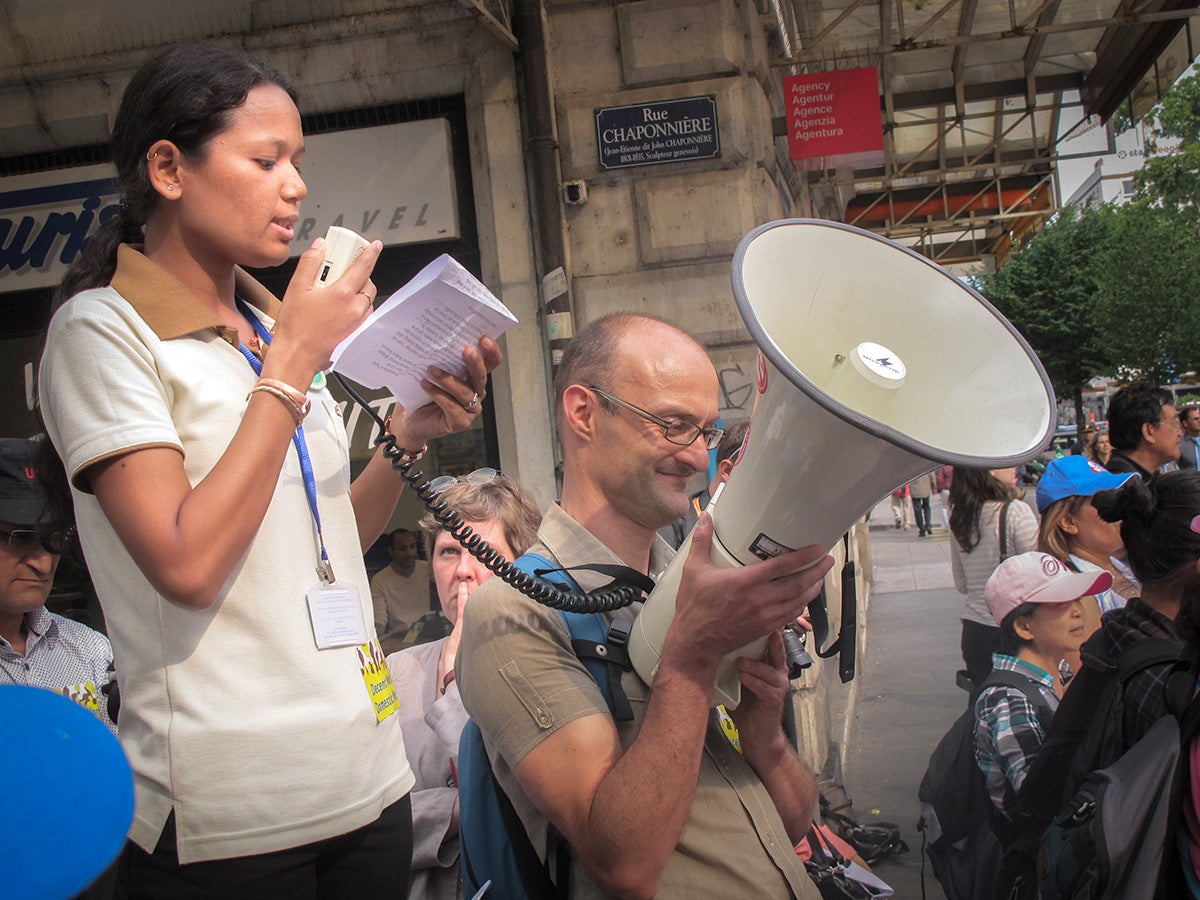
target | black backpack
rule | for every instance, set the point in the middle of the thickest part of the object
(1086, 736)
(958, 820)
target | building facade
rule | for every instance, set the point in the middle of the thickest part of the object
(612, 164)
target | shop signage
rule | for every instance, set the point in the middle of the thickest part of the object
(393, 183)
(664, 131)
(833, 113)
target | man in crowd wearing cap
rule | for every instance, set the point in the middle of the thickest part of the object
(1143, 426)
(37, 647)
(1035, 600)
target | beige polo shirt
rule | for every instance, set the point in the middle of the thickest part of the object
(230, 715)
(521, 682)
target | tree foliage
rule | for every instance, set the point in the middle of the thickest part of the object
(1116, 291)
(1048, 291)
(1172, 180)
(1149, 288)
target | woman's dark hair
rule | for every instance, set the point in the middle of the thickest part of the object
(185, 95)
(1156, 522)
(59, 511)
(1008, 641)
(969, 490)
(1156, 526)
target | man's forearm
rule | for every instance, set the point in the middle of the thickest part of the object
(789, 781)
(642, 805)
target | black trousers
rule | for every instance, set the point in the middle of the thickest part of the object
(921, 514)
(978, 644)
(374, 861)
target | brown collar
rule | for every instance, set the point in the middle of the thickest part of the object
(167, 306)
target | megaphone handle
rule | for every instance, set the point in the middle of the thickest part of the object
(818, 616)
(848, 639)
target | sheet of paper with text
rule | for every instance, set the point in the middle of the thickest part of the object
(426, 323)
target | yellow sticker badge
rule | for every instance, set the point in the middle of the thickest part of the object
(730, 729)
(378, 680)
(84, 694)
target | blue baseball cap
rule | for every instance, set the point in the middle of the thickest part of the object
(1074, 476)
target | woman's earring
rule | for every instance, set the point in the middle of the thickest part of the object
(170, 187)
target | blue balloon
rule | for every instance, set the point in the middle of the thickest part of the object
(70, 821)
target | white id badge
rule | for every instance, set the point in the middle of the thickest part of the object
(337, 617)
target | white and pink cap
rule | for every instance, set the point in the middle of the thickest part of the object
(1037, 577)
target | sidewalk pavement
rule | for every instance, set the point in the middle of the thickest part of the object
(907, 697)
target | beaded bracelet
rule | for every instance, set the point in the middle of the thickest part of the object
(406, 456)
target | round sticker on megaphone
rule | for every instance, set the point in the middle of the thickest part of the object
(878, 364)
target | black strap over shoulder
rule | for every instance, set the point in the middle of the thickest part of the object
(621, 575)
(613, 653)
(1004, 529)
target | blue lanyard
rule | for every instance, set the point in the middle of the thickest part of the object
(306, 470)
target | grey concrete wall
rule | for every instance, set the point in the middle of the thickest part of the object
(659, 238)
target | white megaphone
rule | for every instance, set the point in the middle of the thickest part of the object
(875, 366)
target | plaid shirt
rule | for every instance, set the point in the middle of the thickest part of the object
(1008, 732)
(1144, 702)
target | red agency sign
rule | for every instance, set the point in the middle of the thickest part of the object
(833, 113)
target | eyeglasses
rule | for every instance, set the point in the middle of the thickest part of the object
(478, 477)
(25, 540)
(677, 432)
(1170, 422)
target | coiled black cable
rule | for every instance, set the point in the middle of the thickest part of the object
(530, 586)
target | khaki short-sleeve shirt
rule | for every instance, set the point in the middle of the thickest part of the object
(521, 681)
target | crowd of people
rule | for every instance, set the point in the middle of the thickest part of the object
(1112, 555)
(286, 731)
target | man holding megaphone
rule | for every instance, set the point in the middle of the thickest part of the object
(669, 803)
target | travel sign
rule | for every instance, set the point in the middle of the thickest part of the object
(664, 131)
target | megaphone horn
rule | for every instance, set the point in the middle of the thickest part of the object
(875, 366)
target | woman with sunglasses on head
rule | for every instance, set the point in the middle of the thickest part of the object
(1072, 531)
(431, 713)
(215, 505)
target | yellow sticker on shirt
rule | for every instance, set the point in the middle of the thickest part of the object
(730, 729)
(84, 694)
(378, 680)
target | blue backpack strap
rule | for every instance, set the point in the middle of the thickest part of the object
(503, 856)
(601, 647)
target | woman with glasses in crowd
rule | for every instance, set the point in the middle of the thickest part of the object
(502, 513)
